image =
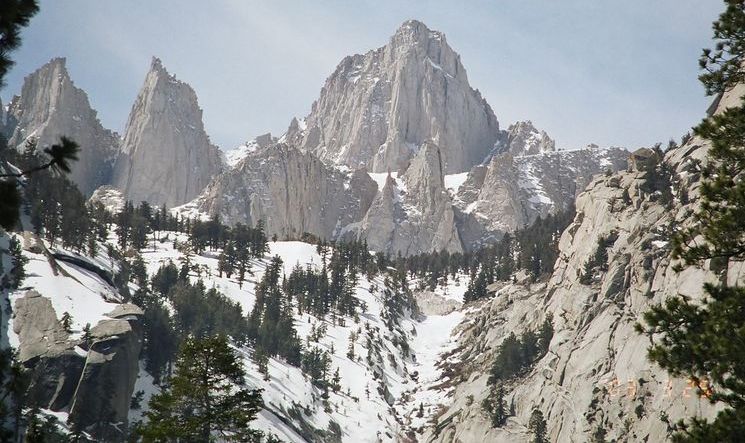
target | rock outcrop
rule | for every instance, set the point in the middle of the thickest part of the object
(413, 214)
(50, 106)
(111, 198)
(234, 156)
(377, 109)
(293, 193)
(107, 381)
(167, 158)
(596, 375)
(91, 381)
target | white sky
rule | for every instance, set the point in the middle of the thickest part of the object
(612, 73)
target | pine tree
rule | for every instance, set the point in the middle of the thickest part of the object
(165, 278)
(350, 348)
(67, 322)
(545, 334)
(262, 363)
(336, 381)
(87, 337)
(160, 340)
(707, 340)
(207, 397)
(42, 430)
(15, 15)
(537, 426)
(18, 272)
(495, 406)
(13, 382)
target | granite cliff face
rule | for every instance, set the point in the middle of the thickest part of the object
(92, 381)
(167, 157)
(596, 374)
(50, 106)
(292, 192)
(376, 110)
(409, 211)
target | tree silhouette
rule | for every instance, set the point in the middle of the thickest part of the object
(207, 397)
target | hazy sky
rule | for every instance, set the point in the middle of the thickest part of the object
(609, 72)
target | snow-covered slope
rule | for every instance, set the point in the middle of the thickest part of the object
(381, 387)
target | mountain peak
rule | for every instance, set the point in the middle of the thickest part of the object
(57, 62)
(50, 105)
(413, 26)
(56, 65)
(158, 70)
(377, 109)
(414, 32)
(156, 64)
(524, 139)
(167, 155)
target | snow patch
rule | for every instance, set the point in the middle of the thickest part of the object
(455, 181)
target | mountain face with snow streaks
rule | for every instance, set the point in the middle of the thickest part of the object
(290, 191)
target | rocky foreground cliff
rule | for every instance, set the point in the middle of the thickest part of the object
(87, 376)
(595, 379)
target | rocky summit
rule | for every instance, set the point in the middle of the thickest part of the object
(377, 110)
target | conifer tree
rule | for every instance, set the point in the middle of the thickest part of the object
(207, 397)
(706, 341)
(350, 348)
(160, 340)
(262, 363)
(18, 272)
(537, 426)
(87, 337)
(67, 322)
(495, 405)
(13, 383)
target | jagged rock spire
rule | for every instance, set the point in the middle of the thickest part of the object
(50, 106)
(167, 157)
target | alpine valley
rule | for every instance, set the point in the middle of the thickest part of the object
(369, 265)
